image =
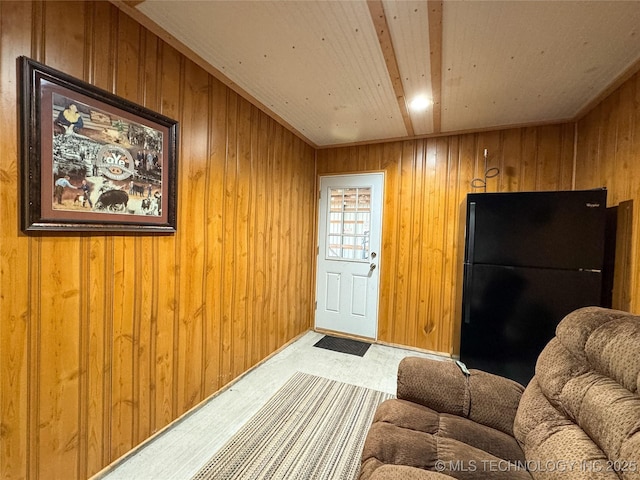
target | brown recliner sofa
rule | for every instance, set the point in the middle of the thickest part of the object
(579, 417)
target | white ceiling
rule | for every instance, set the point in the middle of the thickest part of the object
(326, 68)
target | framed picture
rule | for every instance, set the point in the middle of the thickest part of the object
(92, 161)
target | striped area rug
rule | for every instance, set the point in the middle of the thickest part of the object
(312, 428)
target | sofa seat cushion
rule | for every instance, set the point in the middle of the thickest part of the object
(402, 472)
(405, 433)
(412, 416)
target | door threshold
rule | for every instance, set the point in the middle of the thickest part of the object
(344, 335)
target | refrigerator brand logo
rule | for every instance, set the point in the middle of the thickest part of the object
(593, 205)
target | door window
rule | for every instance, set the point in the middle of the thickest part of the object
(349, 225)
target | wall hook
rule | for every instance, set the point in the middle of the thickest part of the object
(488, 173)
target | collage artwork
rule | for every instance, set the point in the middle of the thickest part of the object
(104, 164)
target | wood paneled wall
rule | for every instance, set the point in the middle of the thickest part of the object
(426, 182)
(608, 154)
(107, 339)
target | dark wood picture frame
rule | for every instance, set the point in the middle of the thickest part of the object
(92, 161)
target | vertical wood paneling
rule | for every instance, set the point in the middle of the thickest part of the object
(59, 287)
(125, 322)
(146, 254)
(625, 141)
(108, 338)
(621, 298)
(242, 198)
(168, 263)
(260, 227)
(426, 182)
(607, 155)
(388, 262)
(452, 260)
(255, 257)
(509, 179)
(102, 37)
(430, 333)
(192, 247)
(283, 209)
(229, 211)
(271, 271)
(214, 199)
(276, 330)
(17, 318)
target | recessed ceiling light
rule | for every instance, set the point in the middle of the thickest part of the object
(420, 103)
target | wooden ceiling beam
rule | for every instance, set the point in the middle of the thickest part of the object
(435, 60)
(376, 10)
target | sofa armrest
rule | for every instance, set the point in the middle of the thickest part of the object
(485, 398)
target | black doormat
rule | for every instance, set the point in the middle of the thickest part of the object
(343, 345)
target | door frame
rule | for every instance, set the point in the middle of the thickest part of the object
(379, 259)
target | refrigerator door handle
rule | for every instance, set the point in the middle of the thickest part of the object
(466, 292)
(471, 233)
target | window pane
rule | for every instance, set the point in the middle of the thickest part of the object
(362, 223)
(334, 247)
(349, 223)
(335, 223)
(357, 247)
(336, 199)
(350, 199)
(347, 246)
(364, 200)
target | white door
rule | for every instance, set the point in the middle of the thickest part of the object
(349, 237)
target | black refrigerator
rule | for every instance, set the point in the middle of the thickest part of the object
(530, 259)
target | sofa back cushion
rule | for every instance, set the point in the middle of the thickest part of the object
(583, 404)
